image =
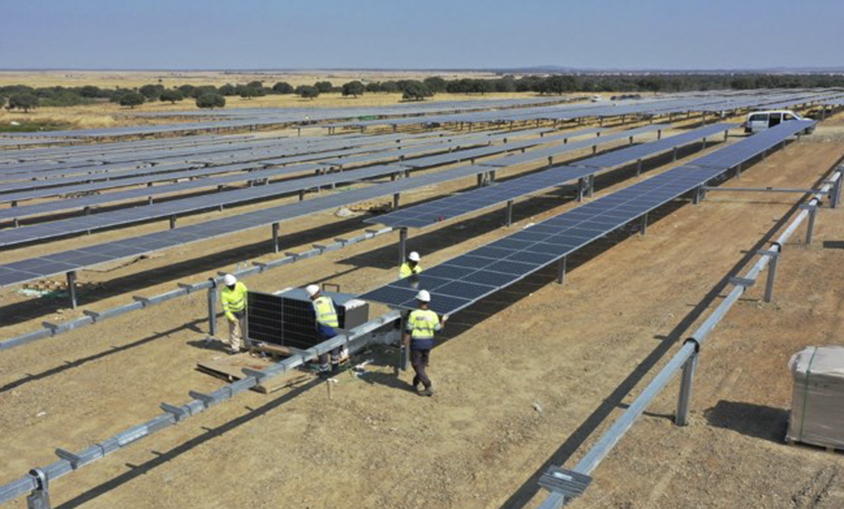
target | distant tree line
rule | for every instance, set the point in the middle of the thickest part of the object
(25, 98)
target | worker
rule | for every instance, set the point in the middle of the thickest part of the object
(411, 266)
(422, 323)
(326, 323)
(233, 298)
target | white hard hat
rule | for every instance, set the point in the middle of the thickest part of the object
(413, 256)
(423, 296)
(229, 279)
(312, 290)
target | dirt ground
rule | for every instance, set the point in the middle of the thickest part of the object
(528, 376)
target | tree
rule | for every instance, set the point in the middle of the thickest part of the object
(324, 87)
(90, 91)
(187, 90)
(255, 84)
(228, 89)
(247, 92)
(2, 101)
(282, 87)
(391, 87)
(558, 84)
(506, 84)
(416, 91)
(373, 87)
(307, 91)
(436, 84)
(131, 99)
(25, 102)
(353, 88)
(171, 96)
(151, 92)
(210, 100)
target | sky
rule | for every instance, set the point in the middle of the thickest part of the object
(423, 34)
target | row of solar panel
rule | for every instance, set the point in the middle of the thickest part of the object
(54, 229)
(253, 174)
(427, 214)
(457, 283)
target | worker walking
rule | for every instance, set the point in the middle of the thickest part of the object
(233, 298)
(422, 323)
(411, 266)
(326, 323)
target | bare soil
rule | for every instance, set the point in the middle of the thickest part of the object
(528, 376)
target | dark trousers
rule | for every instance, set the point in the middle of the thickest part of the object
(325, 333)
(419, 361)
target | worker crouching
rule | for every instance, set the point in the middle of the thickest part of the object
(422, 324)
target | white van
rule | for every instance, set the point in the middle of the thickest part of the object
(761, 120)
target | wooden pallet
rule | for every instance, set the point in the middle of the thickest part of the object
(228, 367)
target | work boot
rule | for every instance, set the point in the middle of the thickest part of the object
(335, 368)
(427, 392)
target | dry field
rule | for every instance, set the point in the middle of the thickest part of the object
(112, 115)
(531, 374)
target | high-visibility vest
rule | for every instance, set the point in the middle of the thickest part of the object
(421, 325)
(325, 312)
(234, 300)
(406, 270)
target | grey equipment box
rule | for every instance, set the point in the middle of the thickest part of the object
(817, 407)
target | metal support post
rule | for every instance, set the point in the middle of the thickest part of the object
(396, 198)
(810, 227)
(39, 498)
(561, 271)
(631, 140)
(644, 230)
(686, 384)
(594, 149)
(697, 196)
(703, 144)
(726, 134)
(738, 170)
(480, 179)
(835, 199)
(302, 195)
(492, 176)
(71, 288)
(638, 167)
(674, 155)
(402, 244)
(275, 238)
(772, 275)
(659, 134)
(581, 185)
(509, 213)
(212, 307)
(172, 221)
(591, 184)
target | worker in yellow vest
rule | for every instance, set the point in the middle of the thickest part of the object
(233, 298)
(326, 323)
(411, 266)
(422, 324)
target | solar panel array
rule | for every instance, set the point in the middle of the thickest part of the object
(53, 229)
(459, 282)
(48, 265)
(427, 214)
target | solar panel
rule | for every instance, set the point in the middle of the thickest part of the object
(460, 281)
(192, 204)
(427, 214)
